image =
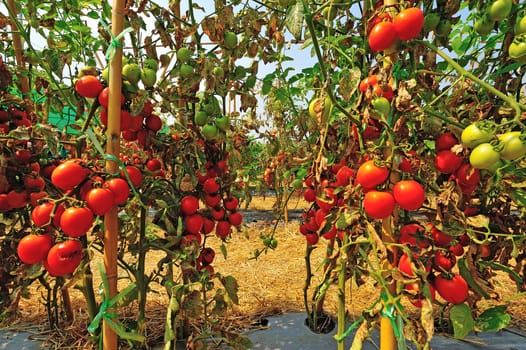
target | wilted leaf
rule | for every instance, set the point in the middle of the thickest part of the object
(294, 20)
(231, 287)
(349, 81)
(462, 321)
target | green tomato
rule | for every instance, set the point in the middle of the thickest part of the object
(150, 63)
(223, 123)
(477, 133)
(513, 145)
(484, 156)
(184, 54)
(484, 25)
(186, 70)
(131, 72)
(201, 118)
(210, 132)
(381, 106)
(517, 49)
(148, 77)
(499, 10)
(431, 21)
(520, 26)
(230, 40)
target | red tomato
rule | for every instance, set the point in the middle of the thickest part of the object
(193, 223)
(120, 189)
(381, 36)
(135, 175)
(17, 200)
(370, 175)
(413, 235)
(41, 214)
(467, 178)
(23, 155)
(417, 296)
(385, 91)
(378, 204)
(211, 185)
(208, 225)
(212, 199)
(444, 260)
(100, 200)
(440, 238)
(445, 141)
(223, 229)
(368, 82)
(153, 165)
(457, 249)
(64, 258)
(88, 86)
(76, 221)
(35, 197)
(409, 194)
(34, 182)
(189, 205)
(4, 204)
(408, 23)
(153, 122)
(231, 203)
(235, 218)
(68, 175)
(447, 161)
(454, 290)
(33, 248)
(410, 163)
(309, 195)
(104, 96)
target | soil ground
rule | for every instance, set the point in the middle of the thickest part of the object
(270, 285)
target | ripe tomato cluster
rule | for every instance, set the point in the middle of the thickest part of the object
(12, 117)
(60, 222)
(137, 127)
(406, 25)
(431, 258)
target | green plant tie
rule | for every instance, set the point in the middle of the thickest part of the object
(109, 316)
(116, 43)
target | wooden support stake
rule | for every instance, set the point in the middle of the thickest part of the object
(111, 222)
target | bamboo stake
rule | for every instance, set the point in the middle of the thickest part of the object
(387, 335)
(111, 223)
(17, 45)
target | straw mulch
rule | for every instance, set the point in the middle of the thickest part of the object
(270, 285)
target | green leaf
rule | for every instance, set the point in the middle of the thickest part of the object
(294, 20)
(461, 319)
(465, 272)
(493, 320)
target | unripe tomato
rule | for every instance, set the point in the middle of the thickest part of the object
(484, 156)
(513, 145)
(477, 133)
(520, 25)
(499, 9)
